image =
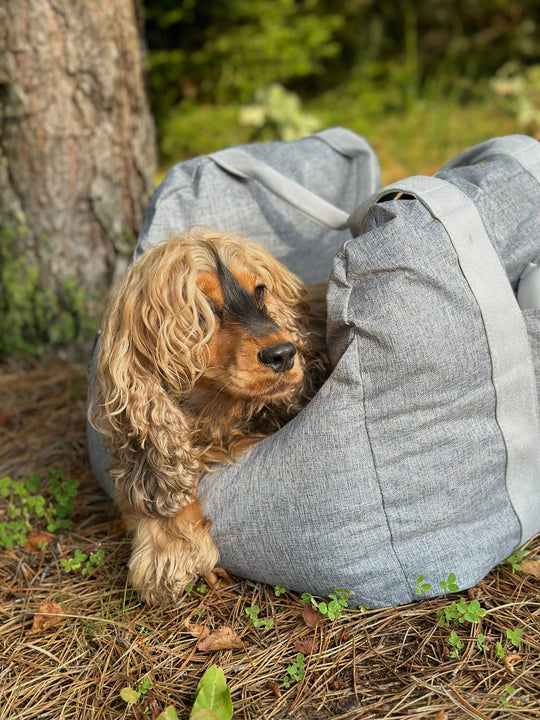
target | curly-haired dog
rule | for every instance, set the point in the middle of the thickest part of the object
(203, 352)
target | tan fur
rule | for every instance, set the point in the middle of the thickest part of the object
(177, 390)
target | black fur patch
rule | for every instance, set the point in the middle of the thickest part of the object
(242, 306)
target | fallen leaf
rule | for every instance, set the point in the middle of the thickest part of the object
(223, 575)
(129, 695)
(441, 715)
(218, 578)
(222, 639)
(312, 617)
(49, 615)
(35, 538)
(4, 418)
(196, 630)
(531, 567)
(306, 646)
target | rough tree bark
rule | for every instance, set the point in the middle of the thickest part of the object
(77, 161)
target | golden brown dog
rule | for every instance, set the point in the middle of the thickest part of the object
(204, 351)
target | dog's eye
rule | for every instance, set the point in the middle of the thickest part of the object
(259, 293)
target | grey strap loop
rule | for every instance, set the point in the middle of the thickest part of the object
(245, 166)
(522, 148)
(345, 142)
(512, 366)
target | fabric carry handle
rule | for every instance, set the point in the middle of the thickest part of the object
(522, 148)
(345, 142)
(247, 167)
(512, 367)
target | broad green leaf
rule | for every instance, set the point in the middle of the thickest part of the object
(213, 694)
(129, 695)
(168, 714)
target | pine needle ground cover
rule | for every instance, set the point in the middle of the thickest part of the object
(76, 643)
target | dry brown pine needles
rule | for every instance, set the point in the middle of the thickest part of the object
(69, 643)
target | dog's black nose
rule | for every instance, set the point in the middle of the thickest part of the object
(279, 357)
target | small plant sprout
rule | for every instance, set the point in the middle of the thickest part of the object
(279, 591)
(515, 636)
(455, 643)
(338, 602)
(499, 650)
(422, 586)
(295, 672)
(253, 614)
(333, 609)
(505, 697)
(190, 588)
(480, 642)
(470, 612)
(144, 686)
(81, 561)
(131, 696)
(31, 502)
(449, 585)
(515, 559)
(460, 612)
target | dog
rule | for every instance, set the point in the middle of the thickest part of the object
(204, 351)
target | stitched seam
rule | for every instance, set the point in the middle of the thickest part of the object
(379, 485)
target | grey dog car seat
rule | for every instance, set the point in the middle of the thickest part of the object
(420, 455)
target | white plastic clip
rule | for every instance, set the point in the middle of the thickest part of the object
(528, 293)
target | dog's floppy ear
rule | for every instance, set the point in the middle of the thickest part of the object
(153, 348)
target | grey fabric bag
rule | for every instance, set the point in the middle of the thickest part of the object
(421, 453)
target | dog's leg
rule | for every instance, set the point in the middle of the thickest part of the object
(169, 552)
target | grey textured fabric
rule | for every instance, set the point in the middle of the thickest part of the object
(419, 455)
(335, 166)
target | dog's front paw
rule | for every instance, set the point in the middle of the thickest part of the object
(169, 553)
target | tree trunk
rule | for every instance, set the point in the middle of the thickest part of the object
(77, 162)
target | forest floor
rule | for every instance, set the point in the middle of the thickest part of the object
(71, 642)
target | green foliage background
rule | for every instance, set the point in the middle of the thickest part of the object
(352, 62)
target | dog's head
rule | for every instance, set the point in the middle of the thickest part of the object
(255, 348)
(203, 313)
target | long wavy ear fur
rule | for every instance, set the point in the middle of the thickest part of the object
(152, 350)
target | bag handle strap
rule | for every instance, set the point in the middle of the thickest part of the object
(245, 166)
(345, 142)
(512, 367)
(522, 148)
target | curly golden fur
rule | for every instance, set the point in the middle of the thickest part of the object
(204, 351)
